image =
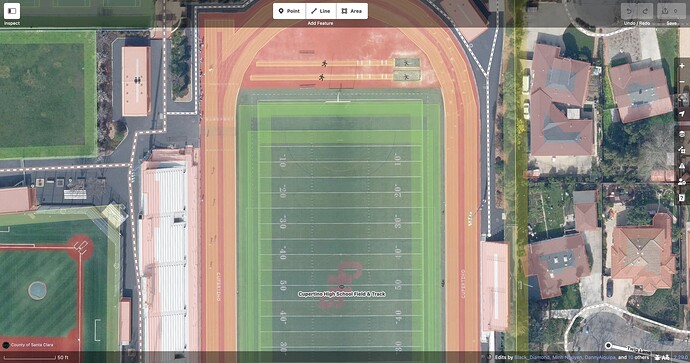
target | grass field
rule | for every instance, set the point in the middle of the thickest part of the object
(48, 80)
(340, 197)
(101, 275)
(53, 316)
(92, 14)
(547, 209)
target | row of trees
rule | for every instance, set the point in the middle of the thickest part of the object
(180, 63)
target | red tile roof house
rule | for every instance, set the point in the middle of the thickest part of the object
(640, 93)
(586, 218)
(558, 82)
(557, 262)
(643, 254)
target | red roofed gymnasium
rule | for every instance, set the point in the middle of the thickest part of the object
(135, 81)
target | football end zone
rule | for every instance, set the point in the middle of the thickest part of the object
(64, 289)
(340, 221)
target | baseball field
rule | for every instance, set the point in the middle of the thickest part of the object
(48, 80)
(61, 281)
(340, 192)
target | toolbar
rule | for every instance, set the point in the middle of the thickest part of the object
(349, 11)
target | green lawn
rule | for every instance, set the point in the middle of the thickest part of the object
(48, 82)
(578, 45)
(548, 199)
(663, 306)
(101, 270)
(570, 298)
(90, 14)
(331, 186)
(53, 316)
(608, 102)
(668, 47)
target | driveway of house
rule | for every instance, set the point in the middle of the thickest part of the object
(590, 286)
(622, 290)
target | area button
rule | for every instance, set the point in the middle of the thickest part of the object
(353, 11)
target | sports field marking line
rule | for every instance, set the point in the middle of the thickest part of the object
(341, 331)
(94, 330)
(336, 223)
(338, 161)
(363, 192)
(326, 286)
(7, 231)
(341, 146)
(331, 208)
(338, 239)
(346, 316)
(309, 348)
(311, 301)
(334, 269)
(344, 177)
(34, 247)
(338, 63)
(324, 131)
(349, 101)
(335, 254)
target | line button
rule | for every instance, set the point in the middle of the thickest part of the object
(321, 10)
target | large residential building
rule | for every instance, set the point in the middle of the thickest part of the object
(495, 291)
(169, 255)
(559, 84)
(643, 254)
(585, 210)
(640, 92)
(564, 80)
(557, 262)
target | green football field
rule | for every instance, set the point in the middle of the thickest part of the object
(48, 82)
(55, 315)
(86, 13)
(340, 197)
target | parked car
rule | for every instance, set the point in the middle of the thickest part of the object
(609, 288)
(525, 110)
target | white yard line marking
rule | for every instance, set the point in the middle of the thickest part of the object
(95, 329)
